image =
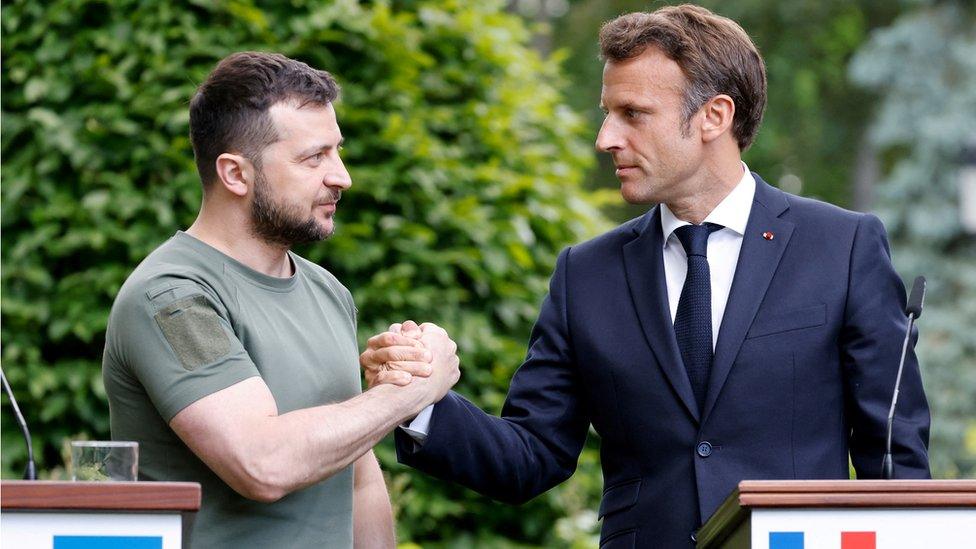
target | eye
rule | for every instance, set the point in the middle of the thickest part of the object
(316, 158)
(631, 114)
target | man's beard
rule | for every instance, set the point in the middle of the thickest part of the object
(283, 224)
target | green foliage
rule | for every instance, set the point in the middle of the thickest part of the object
(466, 168)
(924, 66)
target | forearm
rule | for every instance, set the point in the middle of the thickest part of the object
(288, 452)
(465, 443)
(264, 455)
(372, 514)
(331, 437)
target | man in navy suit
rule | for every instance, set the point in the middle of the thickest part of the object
(733, 332)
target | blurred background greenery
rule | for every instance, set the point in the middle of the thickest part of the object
(469, 130)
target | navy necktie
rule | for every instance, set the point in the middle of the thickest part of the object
(693, 321)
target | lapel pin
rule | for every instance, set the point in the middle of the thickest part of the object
(768, 235)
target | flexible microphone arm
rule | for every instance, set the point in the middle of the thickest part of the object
(914, 310)
(31, 472)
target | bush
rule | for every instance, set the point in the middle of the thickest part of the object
(466, 167)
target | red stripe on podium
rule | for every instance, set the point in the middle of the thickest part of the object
(858, 540)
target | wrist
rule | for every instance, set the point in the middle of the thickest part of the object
(407, 400)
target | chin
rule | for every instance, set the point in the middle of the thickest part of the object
(328, 228)
(326, 224)
(634, 193)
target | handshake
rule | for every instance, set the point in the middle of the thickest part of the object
(422, 359)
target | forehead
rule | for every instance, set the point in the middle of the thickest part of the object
(650, 76)
(295, 125)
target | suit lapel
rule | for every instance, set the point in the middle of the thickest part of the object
(758, 260)
(644, 266)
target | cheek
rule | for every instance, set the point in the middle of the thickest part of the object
(650, 146)
(305, 185)
(679, 146)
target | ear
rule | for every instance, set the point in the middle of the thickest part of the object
(235, 173)
(717, 120)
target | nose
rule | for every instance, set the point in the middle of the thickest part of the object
(609, 138)
(338, 177)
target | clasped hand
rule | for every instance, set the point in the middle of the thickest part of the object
(408, 354)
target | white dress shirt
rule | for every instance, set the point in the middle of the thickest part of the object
(723, 255)
(732, 213)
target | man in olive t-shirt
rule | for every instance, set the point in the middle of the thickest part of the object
(179, 334)
(232, 361)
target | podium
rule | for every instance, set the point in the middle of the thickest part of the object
(844, 514)
(97, 515)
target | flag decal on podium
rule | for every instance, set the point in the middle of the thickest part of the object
(858, 540)
(108, 542)
(848, 540)
(786, 540)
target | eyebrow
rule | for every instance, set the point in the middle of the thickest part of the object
(649, 105)
(314, 149)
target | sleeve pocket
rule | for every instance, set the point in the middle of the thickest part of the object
(777, 322)
(193, 330)
(619, 497)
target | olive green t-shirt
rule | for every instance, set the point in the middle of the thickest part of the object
(191, 321)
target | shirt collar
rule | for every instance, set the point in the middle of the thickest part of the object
(732, 212)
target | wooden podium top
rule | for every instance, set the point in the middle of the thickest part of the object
(99, 496)
(854, 493)
(833, 493)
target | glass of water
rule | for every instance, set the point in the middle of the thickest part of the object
(104, 460)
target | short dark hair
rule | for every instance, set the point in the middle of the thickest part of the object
(229, 112)
(714, 53)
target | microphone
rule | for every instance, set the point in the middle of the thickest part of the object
(914, 310)
(916, 298)
(31, 472)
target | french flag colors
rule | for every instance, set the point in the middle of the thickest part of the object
(848, 540)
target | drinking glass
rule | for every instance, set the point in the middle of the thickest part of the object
(104, 460)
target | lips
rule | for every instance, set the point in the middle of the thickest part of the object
(332, 200)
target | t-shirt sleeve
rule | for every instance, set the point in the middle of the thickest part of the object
(176, 340)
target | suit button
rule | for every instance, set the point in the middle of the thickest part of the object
(694, 538)
(704, 449)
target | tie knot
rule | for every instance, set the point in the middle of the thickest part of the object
(694, 238)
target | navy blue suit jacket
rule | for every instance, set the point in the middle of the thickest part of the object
(802, 378)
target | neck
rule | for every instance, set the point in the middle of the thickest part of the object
(229, 232)
(714, 182)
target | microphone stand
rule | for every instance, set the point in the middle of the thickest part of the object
(914, 310)
(887, 467)
(31, 472)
